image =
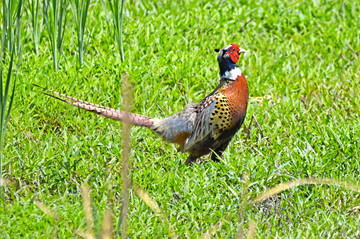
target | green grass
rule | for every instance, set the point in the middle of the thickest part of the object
(304, 55)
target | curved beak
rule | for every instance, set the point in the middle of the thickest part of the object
(243, 51)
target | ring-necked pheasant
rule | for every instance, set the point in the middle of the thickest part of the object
(201, 127)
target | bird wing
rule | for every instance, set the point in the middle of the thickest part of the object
(203, 126)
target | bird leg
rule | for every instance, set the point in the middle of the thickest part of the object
(218, 153)
(190, 159)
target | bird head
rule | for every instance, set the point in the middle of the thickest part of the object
(230, 53)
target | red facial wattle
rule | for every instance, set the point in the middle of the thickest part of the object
(234, 52)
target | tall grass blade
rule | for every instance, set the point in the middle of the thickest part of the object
(54, 12)
(34, 17)
(18, 32)
(61, 25)
(118, 23)
(80, 10)
(3, 106)
(13, 38)
(4, 35)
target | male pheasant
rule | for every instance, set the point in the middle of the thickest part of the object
(201, 127)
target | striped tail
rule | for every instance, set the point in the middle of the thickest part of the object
(101, 110)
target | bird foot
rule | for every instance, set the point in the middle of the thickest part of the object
(190, 160)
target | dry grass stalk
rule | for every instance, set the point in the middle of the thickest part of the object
(282, 187)
(155, 207)
(3, 182)
(260, 99)
(251, 230)
(212, 230)
(126, 89)
(275, 190)
(85, 235)
(47, 210)
(85, 194)
(107, 226)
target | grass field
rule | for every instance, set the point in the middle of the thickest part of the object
(303, 74)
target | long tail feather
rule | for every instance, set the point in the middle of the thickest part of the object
(101, 110)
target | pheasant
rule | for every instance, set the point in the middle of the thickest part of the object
(200, 128)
